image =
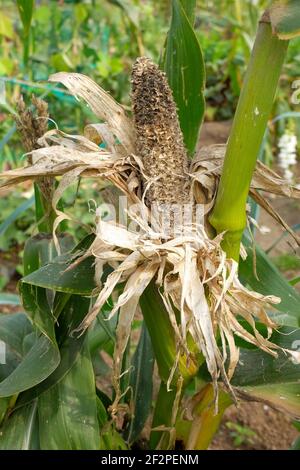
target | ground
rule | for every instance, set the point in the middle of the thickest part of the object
(271, 430)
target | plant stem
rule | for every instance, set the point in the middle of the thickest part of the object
(45, 215)
(189, 7)
(164, 346)
(250, 121)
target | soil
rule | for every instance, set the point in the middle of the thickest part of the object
(272, 430)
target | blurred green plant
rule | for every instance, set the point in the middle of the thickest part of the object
(287, 262)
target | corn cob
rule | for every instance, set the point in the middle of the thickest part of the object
(159, 138)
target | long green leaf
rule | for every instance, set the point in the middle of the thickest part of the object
(58, 276)
(69, 346)
(269, 280)
(13, 329)
(44, 356)
(269, 370)
(184, 66)
(189, 7)
(262, 377)
(68, 411)
(35, 303)
(20, 432)
(39, 363)
(40, 250)
(26, 10)
(141, 385)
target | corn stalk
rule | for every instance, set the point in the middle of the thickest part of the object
(246, 137)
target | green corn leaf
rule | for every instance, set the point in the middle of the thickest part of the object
(189, 7)
(271, 370)
(295, 281)
(39, 363)
(269, 281)
(70, 346)
(285, 18)
(40, 250)
(13, 329)
(25, 8)
(184, 66)
(43, 356)
(57, 276)
(16, 214)
(141, 385)
(68, 411)
(283, 396)
(259, 376)
(20, 432)
(4, 405)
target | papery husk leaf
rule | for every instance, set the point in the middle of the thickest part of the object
(101, 103)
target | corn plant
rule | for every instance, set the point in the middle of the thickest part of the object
(213, 307)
